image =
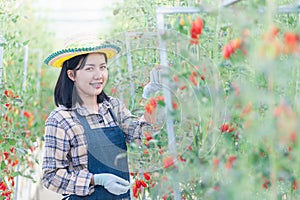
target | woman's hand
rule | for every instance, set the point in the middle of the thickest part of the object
(155, 83)
(112, 183)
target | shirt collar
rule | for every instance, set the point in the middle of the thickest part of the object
(83, 111)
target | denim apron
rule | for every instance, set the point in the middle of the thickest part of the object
(107, 153)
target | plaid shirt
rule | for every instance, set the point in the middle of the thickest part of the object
(65, 160)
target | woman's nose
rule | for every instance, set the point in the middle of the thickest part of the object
(98, 73)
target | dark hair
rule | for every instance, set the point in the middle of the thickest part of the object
(65, 93)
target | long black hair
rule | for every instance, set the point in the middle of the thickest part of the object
(65, 93)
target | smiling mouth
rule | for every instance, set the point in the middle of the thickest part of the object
(97, 85)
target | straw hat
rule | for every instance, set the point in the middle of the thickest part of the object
(81, 45)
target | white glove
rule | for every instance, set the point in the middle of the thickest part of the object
(154, 85)
(112, 183)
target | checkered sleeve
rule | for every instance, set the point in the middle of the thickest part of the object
(57, 174)
(130, 124)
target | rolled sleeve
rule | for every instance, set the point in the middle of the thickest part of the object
(130, 124)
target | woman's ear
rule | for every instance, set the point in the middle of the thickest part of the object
(71, 75)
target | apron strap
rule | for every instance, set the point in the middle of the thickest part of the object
(65, 196)
(111, 112)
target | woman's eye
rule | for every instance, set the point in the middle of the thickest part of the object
(103, 67)
(89, 68)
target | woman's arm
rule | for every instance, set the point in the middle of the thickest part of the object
(57, 174)
(130, 124)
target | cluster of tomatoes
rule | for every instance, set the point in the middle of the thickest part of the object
(196, 30)
(11, 161)
(140, 184)
(227, 128)
(275, 45)
(5, 191)
(9, 155)
(150, 107)
(231, 47)
(9, 95)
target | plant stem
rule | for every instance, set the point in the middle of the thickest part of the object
(215, 59)
(296, 82)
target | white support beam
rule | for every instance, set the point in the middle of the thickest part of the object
(165, 83)
(39, 69)
(118, 63)
(227, 3)
(24, 84)
(291, 8)
(176, 10)
(128, 37)
(130, 68)
(2, 43)
(182, 10)
(25, 67)
(1, 63)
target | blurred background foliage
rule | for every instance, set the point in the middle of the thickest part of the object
(235, 114)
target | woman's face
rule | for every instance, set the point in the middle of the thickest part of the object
(91, 79)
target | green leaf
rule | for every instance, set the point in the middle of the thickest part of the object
(3, 165)
(161, 103)
(116, 11)
(14, 174)
(26, 42)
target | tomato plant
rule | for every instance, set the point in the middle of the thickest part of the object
(23, 105)
(234, 82)
(233, 77)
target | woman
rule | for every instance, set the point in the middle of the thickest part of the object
(85, 153)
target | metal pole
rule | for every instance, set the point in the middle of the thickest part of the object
(129, 58)
(129, 62)
(167, 93)
(175, 10)
(1, 61)
(291, 8)
(38, 81)
(229, 2)
(120, 76)
(25, 66)
(160, 11)
(2, 42)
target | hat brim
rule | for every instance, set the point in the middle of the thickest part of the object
(57, 58)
